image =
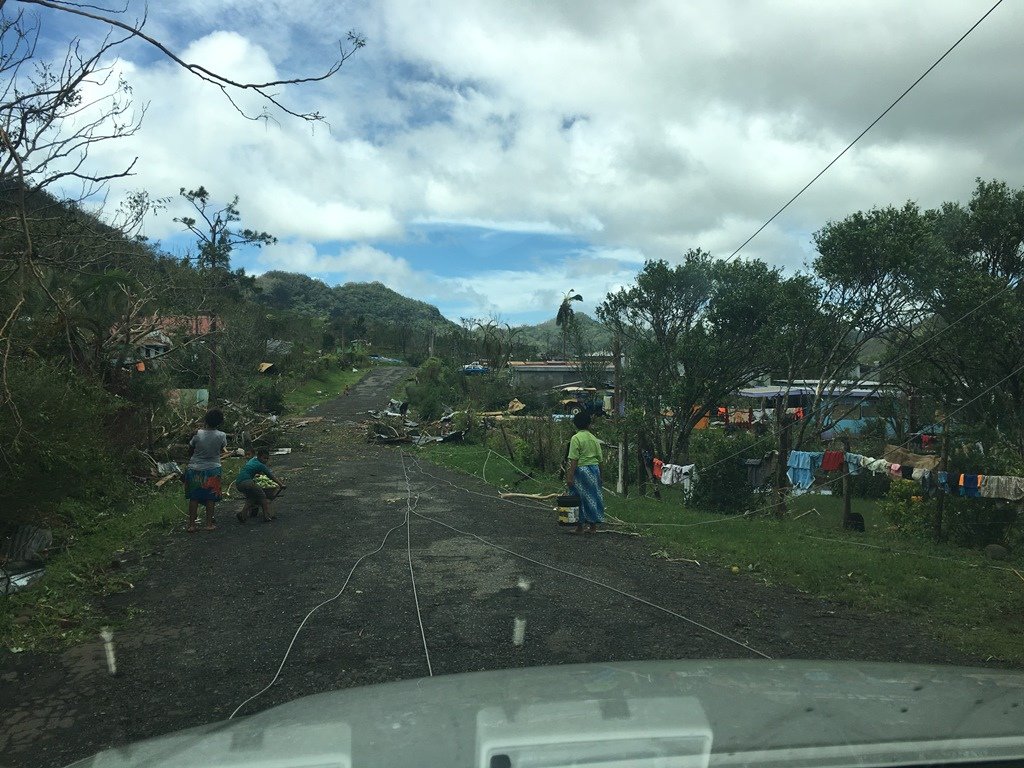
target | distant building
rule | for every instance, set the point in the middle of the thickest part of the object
(551, 373)
(846, 406)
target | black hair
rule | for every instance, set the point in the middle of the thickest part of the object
(262, 452)
(214, 418)
(581, 420)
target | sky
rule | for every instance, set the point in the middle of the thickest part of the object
(487, 157)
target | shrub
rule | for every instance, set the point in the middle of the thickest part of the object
(721, 484)
(905, 508)
(266, 396)
(868, 485)
(520, 448)
(61, 451)
(978, 522)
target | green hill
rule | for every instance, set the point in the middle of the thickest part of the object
(374, 302)
(547, 336)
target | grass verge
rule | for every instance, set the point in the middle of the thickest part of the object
(100, 555)
(968, 601)
(322, 388)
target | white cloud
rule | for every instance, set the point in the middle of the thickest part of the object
(652, 126)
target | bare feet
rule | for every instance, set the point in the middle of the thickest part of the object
(577, 530)
(209, 527)
(191, 528)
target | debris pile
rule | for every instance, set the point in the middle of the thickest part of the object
(391, 426)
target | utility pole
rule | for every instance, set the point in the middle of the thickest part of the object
(620, 485)
(940, 503)
(212, 346)
(780, 469)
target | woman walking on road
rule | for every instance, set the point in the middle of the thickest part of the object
(584, 474)
(202, 477)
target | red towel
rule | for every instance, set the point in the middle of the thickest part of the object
(832, 460)
(658, 464)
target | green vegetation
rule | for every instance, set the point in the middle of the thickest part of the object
(547, 336)
(322, 387)
(967, 600)
(98, 545)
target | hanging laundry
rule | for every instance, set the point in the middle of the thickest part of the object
(676, 474)
(1003, 487)
(970, 485)
(832, 460)
(925, 478)
(878, 466)
(894, 470)
(801, 466)
(658, 464)
(760, 471)
(854, 461)
(907, 473)
(942, 482)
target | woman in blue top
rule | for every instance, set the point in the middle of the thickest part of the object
(246, 483)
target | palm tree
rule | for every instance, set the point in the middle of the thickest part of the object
(565, 316)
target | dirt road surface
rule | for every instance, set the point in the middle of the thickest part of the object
(215, 612)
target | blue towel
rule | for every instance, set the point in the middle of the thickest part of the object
(853, 463)
(970, 487)
(801, 466)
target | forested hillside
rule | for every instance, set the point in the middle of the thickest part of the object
(374, 302)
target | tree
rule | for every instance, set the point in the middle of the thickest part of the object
(694, 333)
(496, 339)
(971, 344)
(53, 112)
(566, 317)
(217, 237)
(868, 282)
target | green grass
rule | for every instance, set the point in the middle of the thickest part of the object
(953, 592)
(61, 609)
(322, 388)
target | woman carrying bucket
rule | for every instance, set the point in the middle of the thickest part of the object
(584, 474)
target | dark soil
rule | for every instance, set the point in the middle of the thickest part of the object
(216, 611)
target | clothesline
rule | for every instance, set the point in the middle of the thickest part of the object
(802, 465)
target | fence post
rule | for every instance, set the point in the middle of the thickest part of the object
(847, 503)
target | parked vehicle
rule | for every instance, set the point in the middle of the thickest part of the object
(475, 368)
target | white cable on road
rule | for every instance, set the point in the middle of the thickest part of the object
(314, 610)
(410, 510)
(587, 579)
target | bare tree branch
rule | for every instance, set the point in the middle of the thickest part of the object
(354, 40)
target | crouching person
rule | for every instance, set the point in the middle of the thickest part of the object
(247, 485)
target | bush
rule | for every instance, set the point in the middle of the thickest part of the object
(436, 387)
(978, 522)
(907, 510)
(520, 448)
(490, 392)
(266, 396)
(721, 484)
(966, 522)
(61, 451)
(868, 485)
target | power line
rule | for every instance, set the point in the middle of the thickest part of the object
(862, 133)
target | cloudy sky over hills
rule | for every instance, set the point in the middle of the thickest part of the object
(488, 156)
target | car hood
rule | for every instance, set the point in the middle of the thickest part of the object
(720, 713)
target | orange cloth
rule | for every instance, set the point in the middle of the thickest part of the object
(658, 464)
